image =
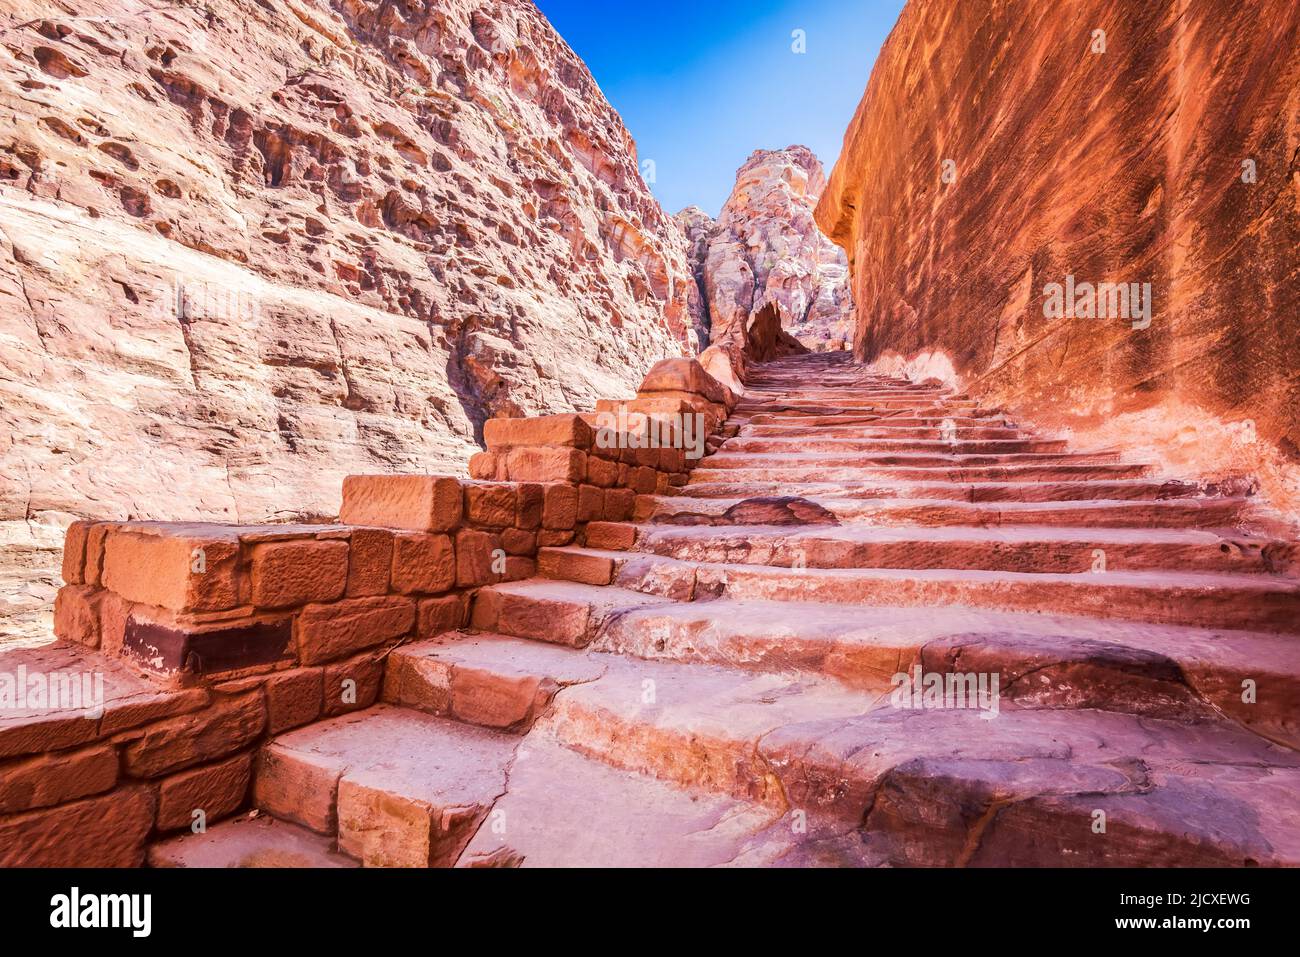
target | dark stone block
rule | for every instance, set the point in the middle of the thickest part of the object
(168, 650)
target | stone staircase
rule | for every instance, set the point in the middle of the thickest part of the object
(718, 680)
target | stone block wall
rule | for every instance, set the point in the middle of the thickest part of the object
(218, 637)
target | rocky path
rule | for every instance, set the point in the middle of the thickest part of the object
(719, 682)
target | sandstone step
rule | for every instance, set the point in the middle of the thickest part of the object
(1105, 513)
(566, 810)
(1008, 548)
(1235, 601)
(801, 444)
(1186, 598)
(250, 842)
(782, 421)
(1020, 474)
(400, 788)
(496, 681)
(411, 790)
(947, 786)
(1043, 491)
(564, 612)
(1046, 661)
(729, 459)
(858, 405)
(932, 432)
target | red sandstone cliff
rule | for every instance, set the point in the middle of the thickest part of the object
(1003, 147)
(251, 246)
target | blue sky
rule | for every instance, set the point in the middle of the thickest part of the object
(703, 84)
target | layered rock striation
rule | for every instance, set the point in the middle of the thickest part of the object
(250, 246)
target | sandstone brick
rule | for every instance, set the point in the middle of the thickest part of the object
(125, 714)
(519, 567)
(287, 574)
(423, 563)
(293, 698)
(353, 684)
(546, 464)
(421, 503)
(490, 505)
(74, 552)
(329, 632)
(487, 466)
(440, 615)
(616, 536)
(683, 375)
(216, 789)
(370, 560)
(644, 480)
(530, 501)
(95, 538)
(619, 504)
(564, 429)
(105, 831)
(479, 558)
(229, 725)
(575, 566)
(297, 785)
(48, 779)
(547, 537)
(181, 572)
(601, 472)
(672, 460)
(561, 506)
(591, 503)
(76, 614)
(516, 541)
(662, 486)
(168, 645)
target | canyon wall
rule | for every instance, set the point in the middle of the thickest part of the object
(248, 247)
(1005, 152)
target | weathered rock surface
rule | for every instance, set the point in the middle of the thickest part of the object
(999, 149)
(764, 262)
(247, 248)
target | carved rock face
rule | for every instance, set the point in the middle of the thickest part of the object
(244, 253)
(982, 175)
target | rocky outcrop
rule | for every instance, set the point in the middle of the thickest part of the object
(772, 282)
(250, 246)
(1006, 156)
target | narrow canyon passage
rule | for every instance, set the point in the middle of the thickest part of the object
(880, 624)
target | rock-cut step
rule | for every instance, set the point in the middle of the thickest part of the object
(405, 789)
(989, 784)
(1100, 513)
(1042, 661)
(1234, 601)
(1023, 548)
(731, 487)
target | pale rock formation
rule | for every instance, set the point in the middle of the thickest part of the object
(250, 246)
(764, 262)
